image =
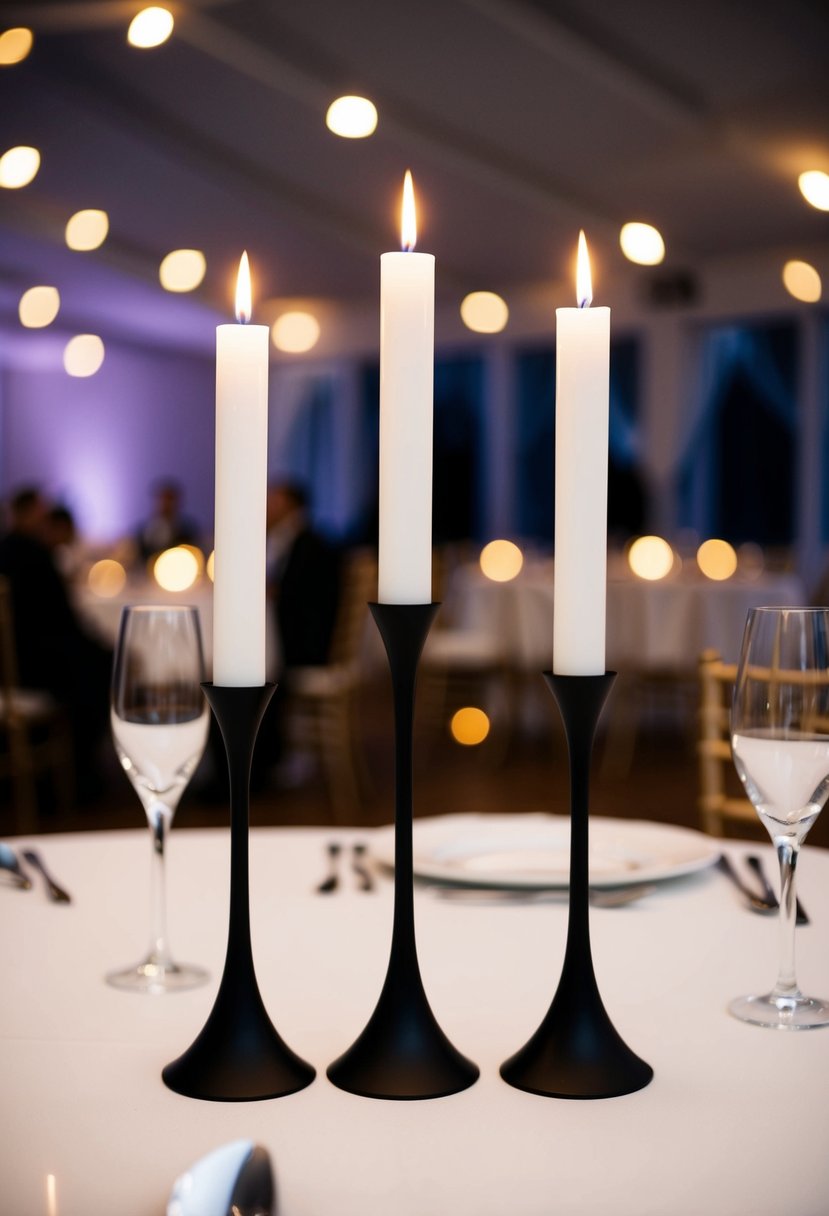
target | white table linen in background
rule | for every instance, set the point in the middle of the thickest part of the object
(733, 1123)
(650, 625)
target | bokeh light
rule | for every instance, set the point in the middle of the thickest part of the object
(716, 559)
(182, 270)
(87, 230)
(210, 565)
(107, 578)
(176, 569)
(802, 281)
(19, 166)
(352, 117)
(83, 355)
(651, 558)
(150, 27)
(484, 312)
(814, 186)
(501, 560)
(642, 243)
(295, 332)
(38, 307)
(469, 726)
(15, 45)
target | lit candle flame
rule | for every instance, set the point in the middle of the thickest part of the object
(408, 222)
(584, 283)
(243, 295)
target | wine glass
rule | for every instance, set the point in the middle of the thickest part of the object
(780, 742)
(159, 720)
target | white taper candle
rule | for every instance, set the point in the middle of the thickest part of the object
(241, 491)
(582, 401)
(407, 340)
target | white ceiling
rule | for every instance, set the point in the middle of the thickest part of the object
(522, 120)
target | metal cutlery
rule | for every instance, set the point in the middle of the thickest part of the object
(365, 879)
(756, 902)
(332, 882)
(9, 862)
(755, 864)
(56, 893)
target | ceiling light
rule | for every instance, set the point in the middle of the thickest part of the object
(651, 558)
(802, 281)
(814, 186)
(352, 117)
(469, 726)
(87, 230)
(182, 270)
(18, 167)
(83, 355)
(484, 312)
(295, 332)
(501, 560)
(15, 45)
(716, 559)
(642, 243)
(38, 307)
(150, 27)
(106, 578)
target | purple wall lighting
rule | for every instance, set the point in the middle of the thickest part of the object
(98, 443)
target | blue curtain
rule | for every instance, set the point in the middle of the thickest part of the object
(535, 442)
(736, 472)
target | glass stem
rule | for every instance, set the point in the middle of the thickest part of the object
(787, 854)
(159, 818)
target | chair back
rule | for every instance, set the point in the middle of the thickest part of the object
(718, 805)
(358, 586)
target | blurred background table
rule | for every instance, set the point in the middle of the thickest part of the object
(83, 1098)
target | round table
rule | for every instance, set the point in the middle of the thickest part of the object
(734, 1121)
(651, 626)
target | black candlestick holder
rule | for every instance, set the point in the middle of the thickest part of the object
(238, 1056)
(402, 1053)
(576, 1051)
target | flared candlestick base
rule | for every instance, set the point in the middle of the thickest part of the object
(402, 1053)
(238, 1055)
(576, 1051)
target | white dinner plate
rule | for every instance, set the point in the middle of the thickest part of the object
(534, 850)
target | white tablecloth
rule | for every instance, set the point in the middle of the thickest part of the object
(733, 1123)
(103, 613)
(650, 625)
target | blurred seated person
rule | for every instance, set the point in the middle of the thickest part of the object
(167, 526)
(54, 651)
(303, 571)
(61, 536)
(303, 579)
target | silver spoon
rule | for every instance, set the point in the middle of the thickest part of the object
(9, 862)
(56, 893)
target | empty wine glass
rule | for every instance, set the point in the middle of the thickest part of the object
(159, 722)
(780, 741)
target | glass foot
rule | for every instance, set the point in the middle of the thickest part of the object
(157, 977)
(781, 1013)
